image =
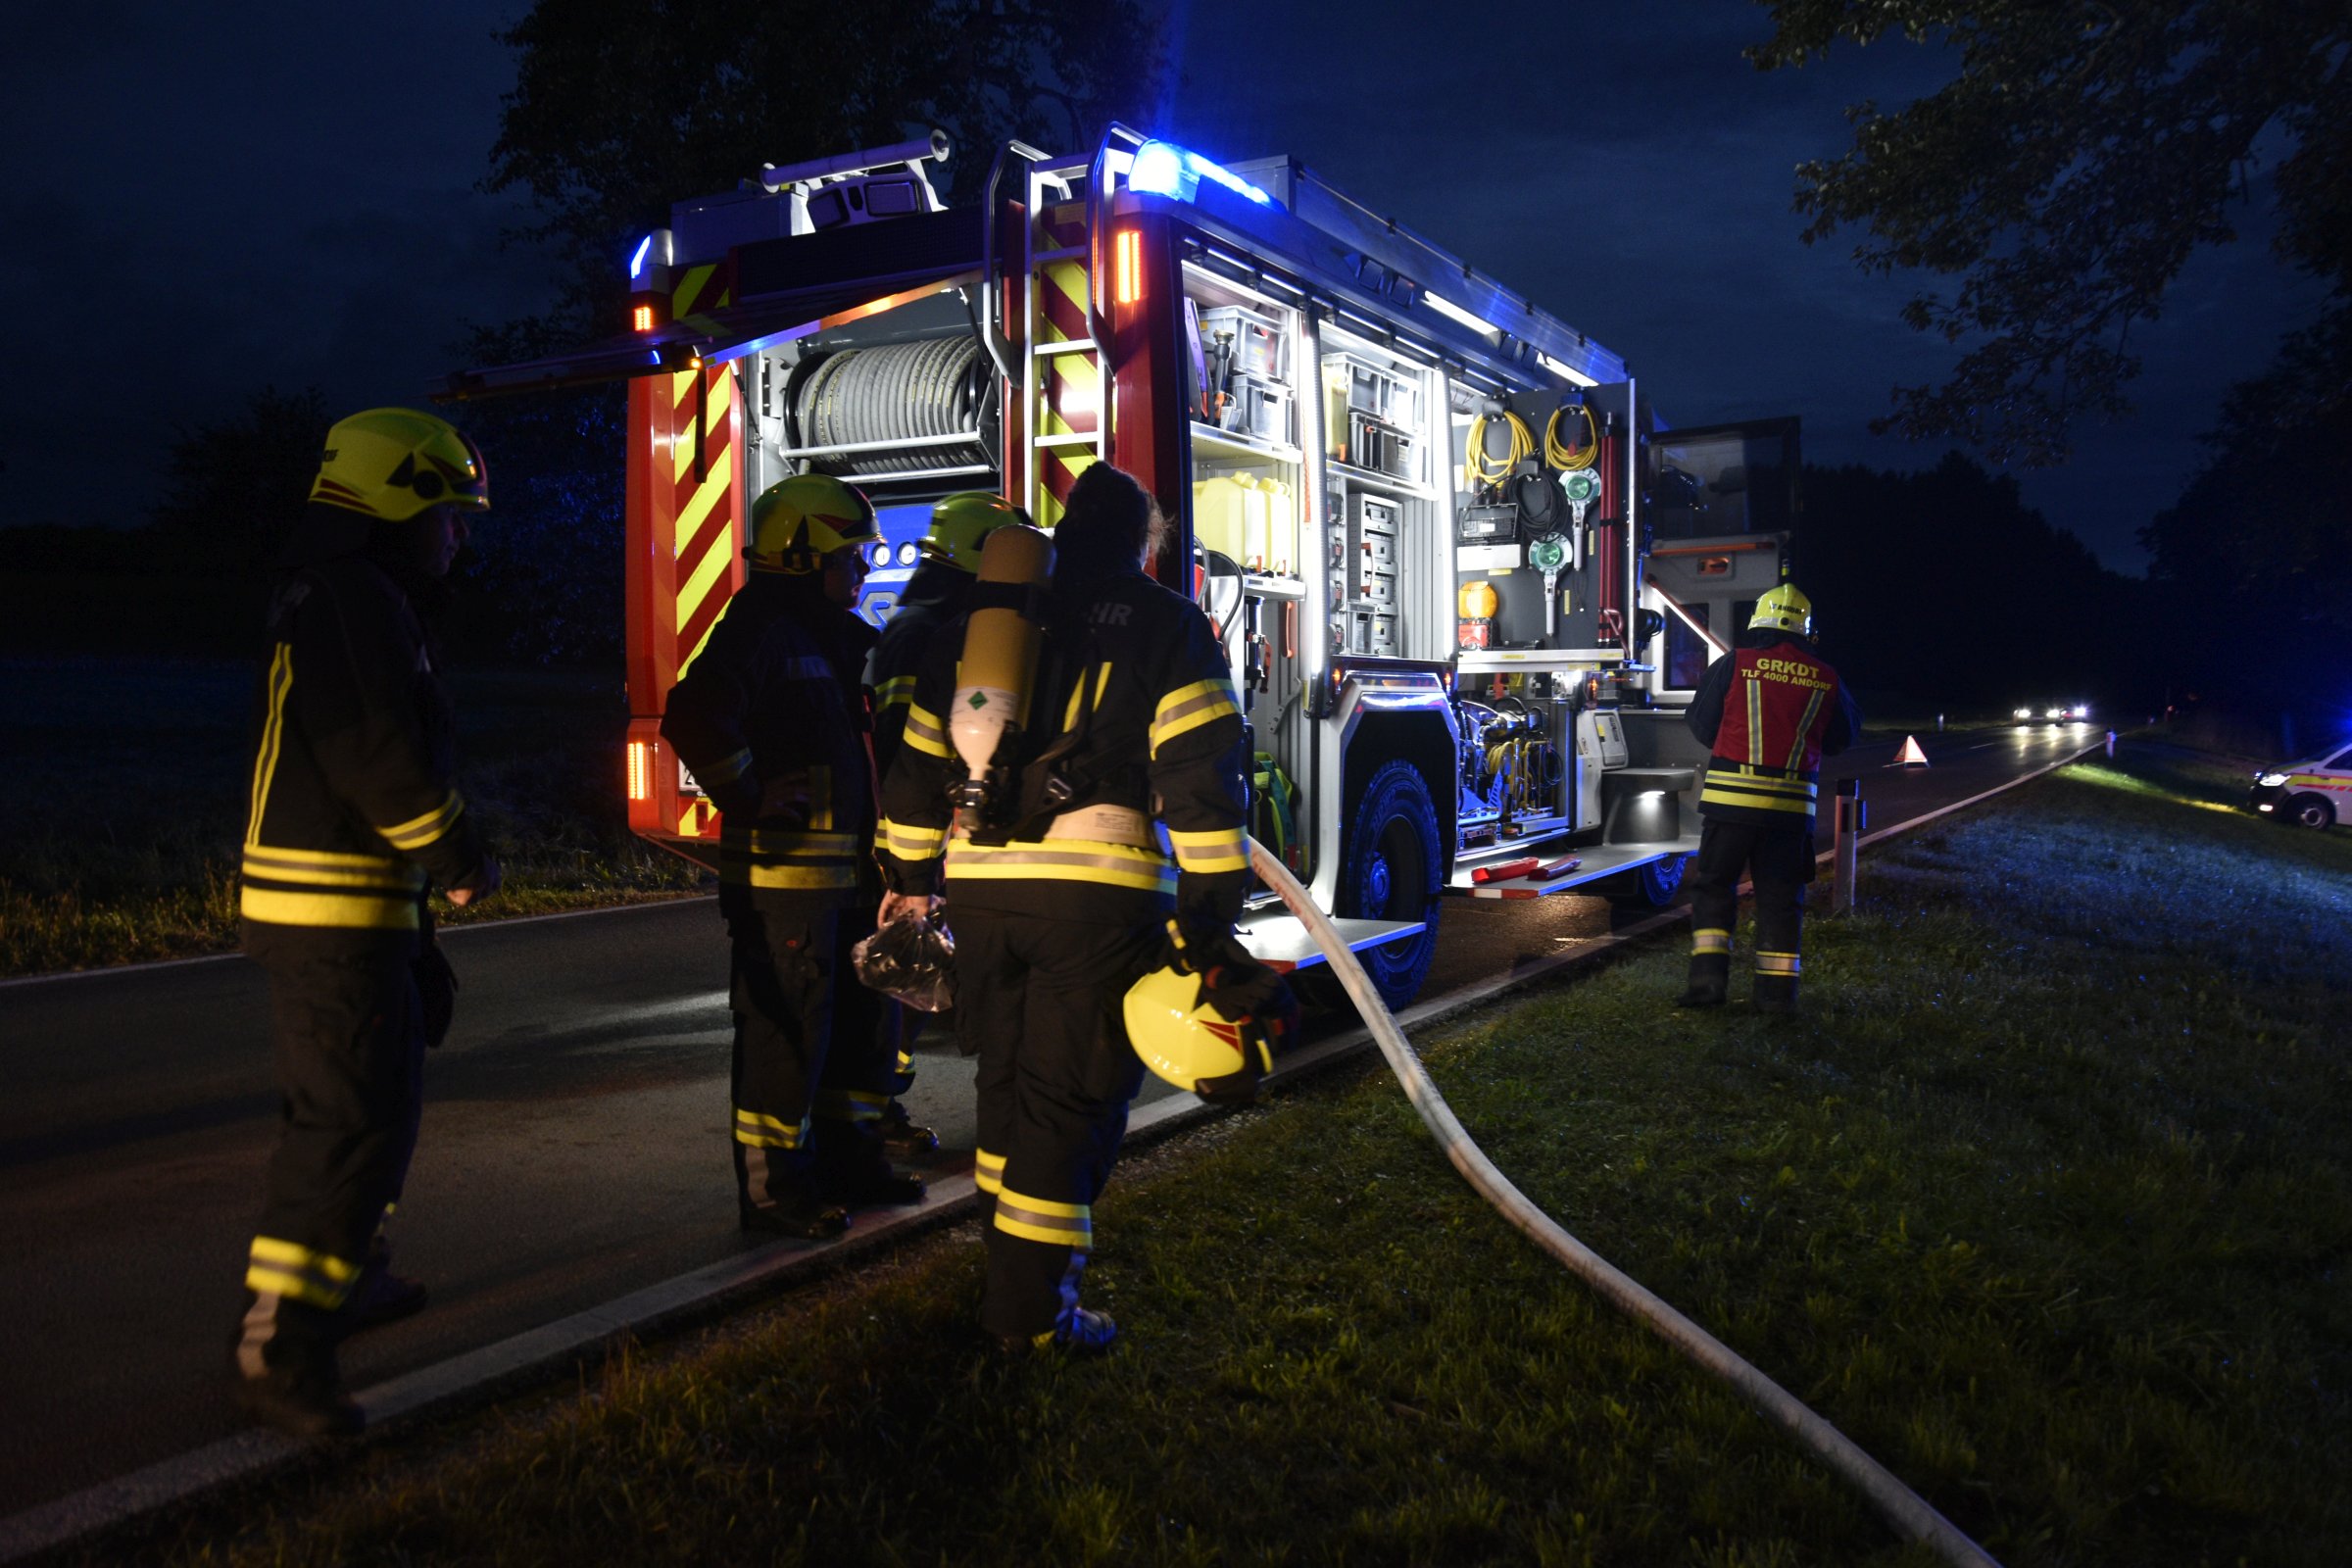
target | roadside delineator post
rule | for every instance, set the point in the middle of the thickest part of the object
(2111, 746)
(1847, 820)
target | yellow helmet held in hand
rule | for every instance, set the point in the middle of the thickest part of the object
(962, 521)
(1180, 1036)
(1785, 609)
(798, 521)
(395, 462)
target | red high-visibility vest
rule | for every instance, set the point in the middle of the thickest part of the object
(1768, 748)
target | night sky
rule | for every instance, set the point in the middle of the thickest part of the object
(192, 211)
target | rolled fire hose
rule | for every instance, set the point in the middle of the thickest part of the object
(1906, 1510)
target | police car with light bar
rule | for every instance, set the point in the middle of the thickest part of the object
(2317, 792)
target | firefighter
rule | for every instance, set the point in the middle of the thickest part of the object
(770, 718)
(354, 812)
(1768, 712)
(933, 600)
(1059, 893)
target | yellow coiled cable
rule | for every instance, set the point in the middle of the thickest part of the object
(1482, 468)
(1568, 460)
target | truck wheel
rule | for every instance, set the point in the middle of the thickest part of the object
(1652, 886)
(2311, 811)
(1394, 871)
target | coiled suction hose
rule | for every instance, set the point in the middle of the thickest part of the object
(1906, 1510)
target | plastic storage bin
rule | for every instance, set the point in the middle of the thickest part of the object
(1256, 340)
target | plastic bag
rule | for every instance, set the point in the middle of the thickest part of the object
(910, 958)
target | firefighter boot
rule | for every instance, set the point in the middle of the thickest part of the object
(282, 1365)
(804, 1217)
(852, 1166)
(902, 1135)
(379, 1296)
(1710, 980)
(1776, 982)
(1081, 1331)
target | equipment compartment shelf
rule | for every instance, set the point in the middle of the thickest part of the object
(1385, 482)
(1228, 444)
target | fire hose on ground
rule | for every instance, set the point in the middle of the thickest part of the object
(1906, 1510)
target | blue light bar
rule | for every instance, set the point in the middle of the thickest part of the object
(1163, 169)
(637, 262)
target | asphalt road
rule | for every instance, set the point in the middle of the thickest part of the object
(574, 1149)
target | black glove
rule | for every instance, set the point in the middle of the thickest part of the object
(437, 989)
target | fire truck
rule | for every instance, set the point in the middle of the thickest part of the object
(1466, 574)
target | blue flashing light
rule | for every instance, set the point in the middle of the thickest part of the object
(1158, 170)
(1163, 169)
(637, 262)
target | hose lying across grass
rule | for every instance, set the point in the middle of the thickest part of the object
(1906, 1510)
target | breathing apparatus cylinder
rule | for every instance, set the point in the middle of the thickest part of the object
(1000, 653)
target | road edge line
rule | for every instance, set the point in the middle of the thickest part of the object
(448, 1387)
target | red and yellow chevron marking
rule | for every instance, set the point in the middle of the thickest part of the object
(1061, 302)
(1062, 226)
(697, 819)
(1073, 394)
(710, 287)
(704, 537)
(1056, 472)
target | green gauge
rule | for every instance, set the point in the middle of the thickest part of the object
(1547, 556)
(1582, 488)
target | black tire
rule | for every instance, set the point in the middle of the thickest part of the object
(1395, 870)
(2312, 811)
(1660, 882)
(1648, 887)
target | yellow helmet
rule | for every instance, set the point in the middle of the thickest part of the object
(1785, 609)
(961, 521)
(395, 462)
(798, 521)
(1181, 1037)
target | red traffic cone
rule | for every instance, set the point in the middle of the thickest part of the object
(1910, 753)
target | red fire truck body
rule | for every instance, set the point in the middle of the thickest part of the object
(1465, 575)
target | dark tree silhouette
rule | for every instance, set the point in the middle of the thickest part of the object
(2081, 154)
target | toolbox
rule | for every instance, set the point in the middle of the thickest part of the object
(1256, 340)
(1380, 447)
(1258, 407)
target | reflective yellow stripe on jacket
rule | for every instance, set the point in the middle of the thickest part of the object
(896, 692)
(1188, 707)
(323, 888)
(421, 830)
(924, 732)
(1223, 849)
(1756, 791)
(1118, 866)
(911, 841)
(783, 858)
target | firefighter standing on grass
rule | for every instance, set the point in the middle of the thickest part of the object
(934, 600)
(1065, 900)
(1768, 712)
(354, 811)
(771, 720)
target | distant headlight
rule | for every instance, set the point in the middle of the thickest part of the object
(2081, 710)
(2022, 712)
(2055, 713)
(2270, 780)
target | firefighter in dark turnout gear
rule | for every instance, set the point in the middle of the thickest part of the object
(770, 718)
(1060, 899)
(1768, 712)
(354, 812)
(934, 600)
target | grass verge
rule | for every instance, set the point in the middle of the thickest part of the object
(2045, 1202)
(140, 769)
